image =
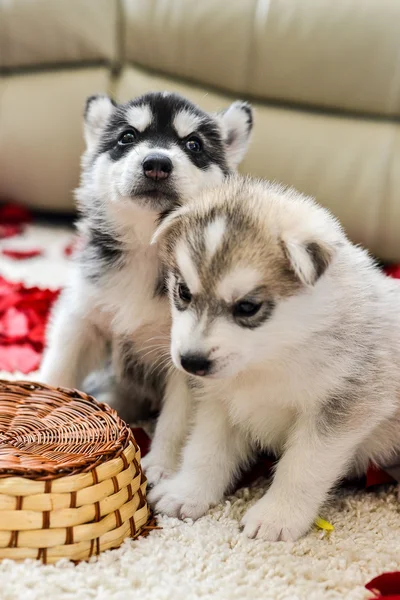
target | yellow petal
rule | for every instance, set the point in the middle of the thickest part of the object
(322, 524)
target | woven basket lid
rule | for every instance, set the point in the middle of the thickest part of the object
(46, 432)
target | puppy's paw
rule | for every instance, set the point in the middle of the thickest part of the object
(155, 474)
(156, 469)
(272, 521)
(174, 498)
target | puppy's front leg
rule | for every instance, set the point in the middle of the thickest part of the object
(171, 430)
(75, 345)
(315, 459)
(211, 461)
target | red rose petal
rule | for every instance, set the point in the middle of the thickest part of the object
(386, 586)
(5, 286)
(9, 294)
(8, 300)
(37, 335)
(14, 214)
(37, 300)
(21, 357)
(8, 231)
(13, 324)
(21, 254)
(23, 315)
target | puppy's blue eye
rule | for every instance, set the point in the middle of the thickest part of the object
(194, 144)
(245, 308)
(127, 137)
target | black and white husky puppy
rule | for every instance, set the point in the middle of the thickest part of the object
(142, 159)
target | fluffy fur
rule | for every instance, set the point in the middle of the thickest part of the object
(142, 160)
(291, 336)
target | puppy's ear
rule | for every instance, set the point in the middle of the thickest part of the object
(308, 260)
(236, 123)
(98, 110)
(166, 224)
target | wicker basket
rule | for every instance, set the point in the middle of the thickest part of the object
(71, 484)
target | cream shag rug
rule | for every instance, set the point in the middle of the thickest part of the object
(210, 558)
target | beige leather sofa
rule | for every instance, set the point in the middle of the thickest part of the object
(324, 77)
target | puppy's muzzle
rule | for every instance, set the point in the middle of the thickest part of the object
(157, 167)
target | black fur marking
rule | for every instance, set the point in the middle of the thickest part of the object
(319, 258)
(115, 127)
(109, 248)
(218, 308)
(247, 109)
(102, 252)
(213, 150)
(161, 132)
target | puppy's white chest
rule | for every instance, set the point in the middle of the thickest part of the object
(262, 412)
(130, 299)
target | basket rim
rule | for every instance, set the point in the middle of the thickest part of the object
(72, 434)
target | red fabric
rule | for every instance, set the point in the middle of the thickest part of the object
(393, 271)
(22, 254)
(386, 586)
(142, 439)
(12, 219)
(376, 476)
(23, 315)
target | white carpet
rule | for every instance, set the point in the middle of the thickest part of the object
(210, 558)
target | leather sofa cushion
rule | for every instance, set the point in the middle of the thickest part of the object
(339, 54)
(41, 136)
(52, 32)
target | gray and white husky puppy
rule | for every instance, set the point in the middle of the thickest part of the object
(290, 338)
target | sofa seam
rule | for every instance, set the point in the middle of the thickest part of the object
(272, 101)
(39, 68)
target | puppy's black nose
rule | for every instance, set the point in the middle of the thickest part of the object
(196, 364)
(157, 166)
